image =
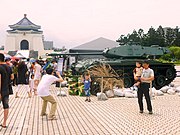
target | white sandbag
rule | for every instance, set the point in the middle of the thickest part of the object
(159, 93)
(171, 85)
(171, 91)
(127, 90)
(101, 96)
(135, 94)
(174, 88)
(129, 95)
(110, 93)
(178, 89)
(153, 90)
(119, 93)
(61, 93)
(164, 89)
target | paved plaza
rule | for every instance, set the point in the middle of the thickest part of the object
(116, 116)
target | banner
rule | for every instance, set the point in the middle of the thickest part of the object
(60, 65)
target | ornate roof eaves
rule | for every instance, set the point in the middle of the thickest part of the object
(25, 23)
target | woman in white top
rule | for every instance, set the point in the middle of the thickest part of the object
(37, 75)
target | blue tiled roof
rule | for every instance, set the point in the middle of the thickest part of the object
(25, 24)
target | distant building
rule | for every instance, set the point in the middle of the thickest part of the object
(95, 46)
(48, 45)
(25, 36)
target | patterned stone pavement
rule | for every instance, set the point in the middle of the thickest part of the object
(116, 116)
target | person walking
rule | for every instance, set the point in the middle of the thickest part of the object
(146, 78)
(44, 93)
(4, 90)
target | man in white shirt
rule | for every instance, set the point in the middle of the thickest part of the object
(44, 93)
(146, 78)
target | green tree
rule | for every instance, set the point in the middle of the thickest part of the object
(160, 36)
(122, 40)
(170, 37)
(150, 38)
(177, 37)
(134, 37)
(175, 51)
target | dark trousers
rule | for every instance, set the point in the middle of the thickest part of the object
(144, 89)
(15, 82)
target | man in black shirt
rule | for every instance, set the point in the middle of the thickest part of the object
(4, 90)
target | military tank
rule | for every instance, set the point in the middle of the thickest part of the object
(122, 60)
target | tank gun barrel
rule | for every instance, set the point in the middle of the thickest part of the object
(73, 54)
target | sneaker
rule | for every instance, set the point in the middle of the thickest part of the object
(141, 111)
(86, 100)
(44, 114)
(52, 118)
(89, 100)
(150, 112)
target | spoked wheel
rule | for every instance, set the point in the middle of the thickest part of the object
(170, 73)
(160, 81)
(127, 81)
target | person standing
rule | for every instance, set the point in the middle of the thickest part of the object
(8, 66)
(4, 90)
(15, 70)
(37, 75)
(44, 93)
(31, 84)
(22, 78)
(87, 84)
(146, 78)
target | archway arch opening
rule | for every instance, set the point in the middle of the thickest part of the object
(24, 45)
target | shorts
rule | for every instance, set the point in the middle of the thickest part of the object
(37, 76)
(5, 102)
(87, 92)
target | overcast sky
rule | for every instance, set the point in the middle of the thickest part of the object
(73, 22)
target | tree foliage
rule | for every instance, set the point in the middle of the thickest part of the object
(174, 55)
(161, 36)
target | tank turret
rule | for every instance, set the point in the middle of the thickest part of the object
(135, 51)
